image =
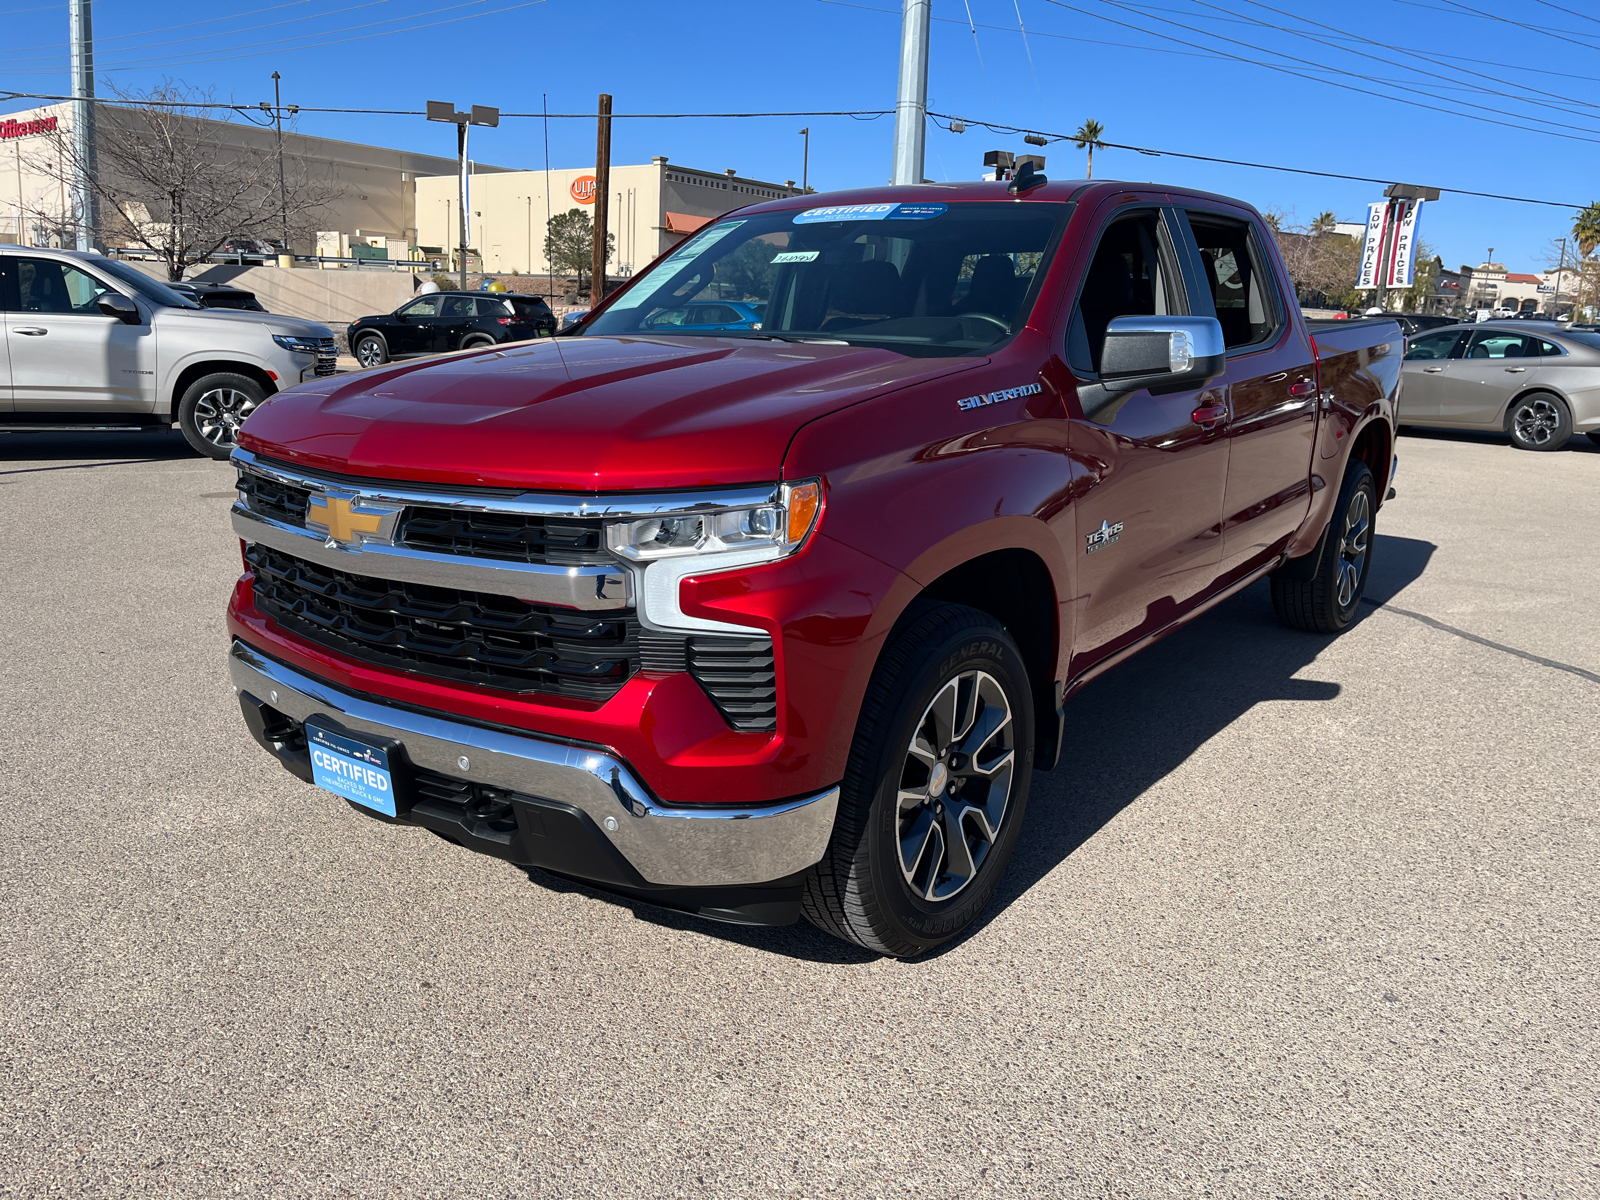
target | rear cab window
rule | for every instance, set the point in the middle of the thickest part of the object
(1237, 275)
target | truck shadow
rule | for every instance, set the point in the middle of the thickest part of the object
(82, 450)
(1125, 733)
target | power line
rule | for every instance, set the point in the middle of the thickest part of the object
(118, 37)
(994, 127)
(1457, 10)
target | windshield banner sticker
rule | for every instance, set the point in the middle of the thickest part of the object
(1004, 394)
(870, 212)
(794, 256)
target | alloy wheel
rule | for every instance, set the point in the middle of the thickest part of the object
(1353, 546)
(1536, 422)
(955, 785)
(219, 413)
(369, 353)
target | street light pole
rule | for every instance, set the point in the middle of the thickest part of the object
(911, 105)
(805, 159)
(86, 202)
(443, 110)
(283, 191)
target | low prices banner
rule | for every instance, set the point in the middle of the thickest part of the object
(1403, 255)
(1389, 251)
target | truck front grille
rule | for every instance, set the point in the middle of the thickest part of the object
(508, 537)
(270, 498)
(443, 633)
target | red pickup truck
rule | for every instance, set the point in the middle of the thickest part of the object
(778, 617)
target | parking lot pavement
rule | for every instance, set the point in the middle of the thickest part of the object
(1297, 917)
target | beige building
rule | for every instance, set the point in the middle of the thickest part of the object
(378, 185)
(652, 208)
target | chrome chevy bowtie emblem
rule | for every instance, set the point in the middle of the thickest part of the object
(350, 518)
(1102, 537)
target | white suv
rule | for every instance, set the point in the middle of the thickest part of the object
(91, 342)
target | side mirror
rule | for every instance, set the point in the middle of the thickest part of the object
(1158, 354)
(114, 304)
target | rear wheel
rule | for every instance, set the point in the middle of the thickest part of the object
(214, 407)
(476, 342)
(935, 788)
(1327, 601)
(1539, 421)
(371, 350)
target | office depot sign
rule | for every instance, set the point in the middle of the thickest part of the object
(10, 129)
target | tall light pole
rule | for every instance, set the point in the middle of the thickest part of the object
(911, 105)
(805, 158)
(86, 204)
(443, 110)
(283, 191)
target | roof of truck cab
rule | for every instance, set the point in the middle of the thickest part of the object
(1054, 191)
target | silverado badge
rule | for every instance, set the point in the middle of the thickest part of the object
(1104, 536)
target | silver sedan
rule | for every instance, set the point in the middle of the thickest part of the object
(1539, 385)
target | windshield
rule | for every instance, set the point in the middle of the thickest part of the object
(922, 279)
(138, 281)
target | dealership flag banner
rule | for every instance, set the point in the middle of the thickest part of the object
(1402, 261)
(1372, 247)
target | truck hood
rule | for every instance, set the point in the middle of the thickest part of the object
(266, 324)
(588, 414)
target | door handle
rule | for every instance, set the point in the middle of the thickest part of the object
(1302, 389)
(1516, 370)
(1209, 416)
(31, 332)
(1431, 370)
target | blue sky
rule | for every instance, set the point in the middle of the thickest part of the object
(1514, 78)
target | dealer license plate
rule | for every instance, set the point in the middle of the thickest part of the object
(351, 768)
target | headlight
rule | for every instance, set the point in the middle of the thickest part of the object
(299, 345)
(778, 526)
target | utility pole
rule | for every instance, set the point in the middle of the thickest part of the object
(602, 197)
(1561, 269)
(86, 204)
(805, 159)
(283, 191)
(911, 105)
(443, 110)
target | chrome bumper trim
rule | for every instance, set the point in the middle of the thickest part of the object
(669, 846)
(586, 588)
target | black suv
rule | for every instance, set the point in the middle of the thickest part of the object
(443, 321)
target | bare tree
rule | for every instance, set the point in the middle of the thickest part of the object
(1322, 264)
(171, 182)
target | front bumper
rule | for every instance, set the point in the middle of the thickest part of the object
(590, 797)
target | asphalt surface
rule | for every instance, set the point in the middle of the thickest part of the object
(1298, 916)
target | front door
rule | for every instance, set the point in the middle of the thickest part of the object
(1272, 389)
(1432, 364)
(1498, 366)
(1149, 521)
(68, 356)
(411, 328)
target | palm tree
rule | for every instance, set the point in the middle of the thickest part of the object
(1586, 229)
(1088, 137)
(1323, 223)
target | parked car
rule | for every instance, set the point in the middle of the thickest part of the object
(757, 623)
(443, 321)
(1415, 323)
(219, 295)
(572, 319)
(704, 316)
(1538, 386)
(96, 343)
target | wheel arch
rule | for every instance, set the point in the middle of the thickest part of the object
(200, 370)
(1531, 390)
(1373, 444)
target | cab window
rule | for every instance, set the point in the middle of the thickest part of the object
(1233, 269)
(47, 286)
(422, 306)
(1131, 275)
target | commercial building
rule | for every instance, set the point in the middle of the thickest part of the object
(652, 208)
(377, 186)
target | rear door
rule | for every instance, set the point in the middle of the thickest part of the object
(455, 320)
(68, 356)
(1271, 384)
(1498, 366)
(1433, 361)
(1149, 523)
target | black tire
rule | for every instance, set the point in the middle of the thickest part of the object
(212, 409)
(1539, 421)
(371, 350)
(476, 341)
(1327, 601)
(861, 891)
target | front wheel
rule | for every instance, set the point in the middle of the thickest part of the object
(1539, 421)
(1326, 602)
(371, 350)
(934, 790)
(214, 407)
